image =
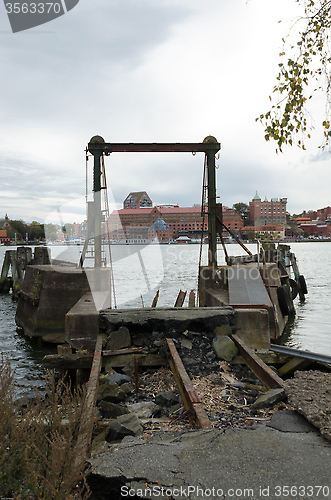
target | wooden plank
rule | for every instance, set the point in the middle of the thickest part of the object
(264, 373)
(124, 350)
(156, 298)
(87, 417)
(294, 364)
(142, 359)
(84, 361)
(180, 298)
(192, 402)
(191, 299)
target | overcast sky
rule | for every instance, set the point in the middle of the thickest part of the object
(148, 71)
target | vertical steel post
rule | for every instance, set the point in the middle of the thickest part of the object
(212, 235)
(97, 153)
(97, 208)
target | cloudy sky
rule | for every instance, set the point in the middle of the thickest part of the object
(148, 71)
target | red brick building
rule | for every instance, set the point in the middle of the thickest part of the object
(178, 220)
(317, 230)
(266, 212)
(137, 199)
(3, 236)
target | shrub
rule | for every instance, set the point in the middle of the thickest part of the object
(38, 453)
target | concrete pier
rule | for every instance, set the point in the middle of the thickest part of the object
(48, 293)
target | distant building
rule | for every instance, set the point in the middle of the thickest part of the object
(271, 231)
(178, 220)
(266, 212)
(3, 236)
(137, 199)
(317, 230)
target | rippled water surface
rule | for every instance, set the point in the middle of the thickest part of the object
(140, 271)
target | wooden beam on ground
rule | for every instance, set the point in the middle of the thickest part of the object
(191, 299)
(87, 416)
(180, 298)
(156, 298)
(189, 395)
(263, 372)
(115, 360)
(293, 365)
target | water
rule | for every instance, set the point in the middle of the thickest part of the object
(140, 271)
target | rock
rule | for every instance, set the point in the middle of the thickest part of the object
(223, 330)
(224, 348)
(127, 387)
(119, 339)
(166, 398)
(176, 409)
(128, 369)
(111, 410)
(110, 391)
(158, 343)
(120, 378)
(108, 369)
(144, 409)
(211, 355)
(185, 342)
(117, 432)
(125, 425)
(270, 398)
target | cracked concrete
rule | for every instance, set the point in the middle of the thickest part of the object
(220, 459)
(309, 393)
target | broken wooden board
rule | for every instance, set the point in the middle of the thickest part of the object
(84, 360)
(264, 373)
(189, 395)
(87, 416)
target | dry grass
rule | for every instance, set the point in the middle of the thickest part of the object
(37, 444)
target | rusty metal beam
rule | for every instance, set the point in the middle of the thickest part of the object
(87, 416)
(189, 395)
(263, 372)
(154, 147)
(180, 298)
(191, 299)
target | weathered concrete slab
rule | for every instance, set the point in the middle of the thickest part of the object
(309, 393)
(241, 463)
(169, 320)
(290, 421)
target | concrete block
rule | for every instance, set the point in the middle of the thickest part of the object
(253, 327)
(48, 293)
(82, 323)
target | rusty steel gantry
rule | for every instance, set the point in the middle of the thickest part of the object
(98, 147)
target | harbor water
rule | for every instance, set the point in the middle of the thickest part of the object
(139, 271)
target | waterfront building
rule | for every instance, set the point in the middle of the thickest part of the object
(266, 212)
(179, 220)
(267, 231)
(3, 236)
(137, 199)
(267, 217)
